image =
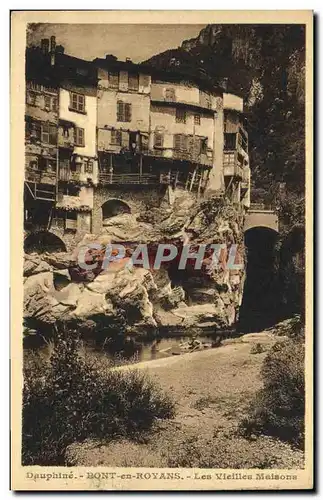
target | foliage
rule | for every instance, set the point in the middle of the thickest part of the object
(278, 408)
(69, 399)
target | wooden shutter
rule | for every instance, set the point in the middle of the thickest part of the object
(125, 139)
(133, 83)
(120, 111)
(114, 80)
(177, 142)
(45, 133)
(79, 137)
(116, 137)
(52, 134)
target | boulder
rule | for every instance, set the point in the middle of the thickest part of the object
(91, 303)
(59, 260)
(69, 295)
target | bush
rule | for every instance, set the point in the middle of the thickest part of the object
(278, 409)
(69, 399)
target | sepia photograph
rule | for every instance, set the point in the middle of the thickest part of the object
(162, 311)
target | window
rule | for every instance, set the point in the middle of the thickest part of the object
(203, 146)
(170, 95)
(159, 140)
(79, 137)
(114, 80)
(133, 82)
(48, 133)
(180, 116)
(77, 102)
(229, 141)
(228, 158)
(197, 119)
(47, 102)
(116, 137)
(50, 103)
(180, 142)
(31, 98)
(205, 99)
(88, 167)
(123, 112)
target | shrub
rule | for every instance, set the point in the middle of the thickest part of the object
(278, 409)
(69, 399)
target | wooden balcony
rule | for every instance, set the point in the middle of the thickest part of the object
(231, 166)
(128, 179)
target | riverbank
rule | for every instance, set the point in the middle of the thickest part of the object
(212, 390)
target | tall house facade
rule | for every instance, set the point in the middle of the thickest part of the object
(236, 165)
(41, 153)
(77, 148)
(183, 134)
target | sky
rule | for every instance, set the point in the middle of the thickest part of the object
(136, 41)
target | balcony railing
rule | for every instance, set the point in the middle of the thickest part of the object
(112, 178)
(40, 176)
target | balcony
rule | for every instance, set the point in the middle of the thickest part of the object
(231, 166)
(125, 178)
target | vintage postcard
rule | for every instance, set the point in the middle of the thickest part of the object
(162, 279)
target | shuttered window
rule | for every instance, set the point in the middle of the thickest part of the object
(48, 133)
(116, 137)
(180, 142)
(158, 140)
(79, 137)
(180, 116)
(133, 82)
(197, 119)
(123, 111)
(114, 80)
(77, 102)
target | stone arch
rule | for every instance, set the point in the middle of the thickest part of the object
(43, 241)
(114, 207)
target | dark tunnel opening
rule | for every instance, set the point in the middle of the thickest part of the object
(260, 306)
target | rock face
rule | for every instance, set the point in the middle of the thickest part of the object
(139, 299)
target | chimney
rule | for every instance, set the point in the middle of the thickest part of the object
(44, 44)
(52, 44)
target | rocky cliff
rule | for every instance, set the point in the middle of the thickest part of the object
(138, 301)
